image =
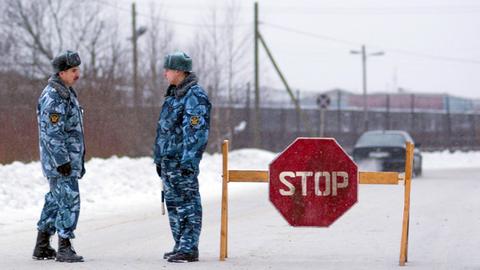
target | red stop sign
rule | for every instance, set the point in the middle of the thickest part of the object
(313, 182)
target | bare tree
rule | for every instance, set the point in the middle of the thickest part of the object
(113, 65)
(160, 41)
(220, 48)
(235, 60)
(89, 35)
(106, 49)
(6, 45)
(36, 30)
(207, 49)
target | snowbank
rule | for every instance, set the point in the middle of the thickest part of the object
(129, 180)
(110, 183)
(447, 160)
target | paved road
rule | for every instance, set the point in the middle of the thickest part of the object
(444, 232)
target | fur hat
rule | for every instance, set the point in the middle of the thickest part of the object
(65, 60)
(178, 61)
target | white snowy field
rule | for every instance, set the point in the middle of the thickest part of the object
(121, 226)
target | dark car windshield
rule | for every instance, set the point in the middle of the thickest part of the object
(381, 139)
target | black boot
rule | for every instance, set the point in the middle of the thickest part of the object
(180, 257)
(66, 253)
(43, 250)
(167, 255)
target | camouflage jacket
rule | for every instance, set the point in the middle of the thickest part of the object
(60, 128)
(183, 125)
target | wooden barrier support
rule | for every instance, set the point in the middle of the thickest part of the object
(378, 178)
(406, 205)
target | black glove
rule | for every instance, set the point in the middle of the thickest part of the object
(159, 171)
(65, 169)
(187, 172)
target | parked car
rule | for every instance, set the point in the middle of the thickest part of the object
(384, 150)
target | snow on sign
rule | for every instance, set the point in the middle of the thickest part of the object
(313, 182)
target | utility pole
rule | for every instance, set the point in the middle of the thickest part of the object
(258, 38)
(136, 33)
(364, 80)
(256, 118)
(136, 95)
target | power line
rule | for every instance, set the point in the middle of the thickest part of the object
(399, 10)
(314, 35)
(349, 42)
(172, 21)
(404, 9)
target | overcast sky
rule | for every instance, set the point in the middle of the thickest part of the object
(430, 45)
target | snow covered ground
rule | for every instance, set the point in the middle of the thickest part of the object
(121, 226)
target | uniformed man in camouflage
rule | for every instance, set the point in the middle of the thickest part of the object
(62, 153)
(182, 135)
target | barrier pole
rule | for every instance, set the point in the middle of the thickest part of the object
(385, 178)
(224, 215)
(406, 207)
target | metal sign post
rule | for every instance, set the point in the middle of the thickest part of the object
(323, 102)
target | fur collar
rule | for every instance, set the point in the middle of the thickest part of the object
(61, 88)
(180, 90)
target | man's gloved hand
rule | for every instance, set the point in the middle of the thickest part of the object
(65, 169)
(187, 172)
(159, 171)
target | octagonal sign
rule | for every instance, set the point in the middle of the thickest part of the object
(313, 182)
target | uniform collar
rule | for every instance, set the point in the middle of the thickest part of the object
(180, 90)
(57, 83)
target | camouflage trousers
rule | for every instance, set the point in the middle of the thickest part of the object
(184, 207)
(62, 207)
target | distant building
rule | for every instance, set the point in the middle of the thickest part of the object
(476, 105)
(346, 100)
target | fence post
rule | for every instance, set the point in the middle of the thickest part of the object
(412, 111)
(339, 113)
(387, 114)
(449, 122)
(297, 114)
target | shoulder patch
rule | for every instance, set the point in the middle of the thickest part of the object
(194, 120)
(54, 118)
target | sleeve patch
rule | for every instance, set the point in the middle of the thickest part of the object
(194, 120)
(54, 118)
